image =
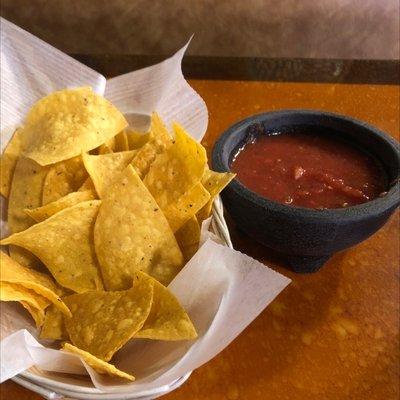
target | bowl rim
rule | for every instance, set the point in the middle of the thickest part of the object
(73, 390)
(355, 212)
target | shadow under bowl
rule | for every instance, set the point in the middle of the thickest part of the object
(306, 237)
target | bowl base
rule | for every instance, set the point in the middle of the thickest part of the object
(307, 264)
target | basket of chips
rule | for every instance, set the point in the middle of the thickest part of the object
(118, 277)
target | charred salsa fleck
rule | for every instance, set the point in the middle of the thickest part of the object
(308, 170)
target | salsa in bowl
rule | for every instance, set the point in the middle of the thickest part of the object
(300, 167)
(308, 183)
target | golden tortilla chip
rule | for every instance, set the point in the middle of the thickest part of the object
(176, 170)
(121, 142)
(188, 238)
(15, 292)
(158, 142)
(64, 243)
(66, 123)
(102, 322)
(25, 257)
(41, 213)
(131, 233)
(214, 182)
(53, 325)
(88, 185)
(179, 212)
(107, 147)
(104, 149)
(26, 192)
(33, 302)
(43, 285)
(105, 168)
(98, 365)
(63, 178)
(136, 140)
(8, 161)
(167, 319)
(36, 313)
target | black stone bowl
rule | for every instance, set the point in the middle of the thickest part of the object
(306, 237)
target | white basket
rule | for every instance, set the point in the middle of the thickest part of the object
(55, 390)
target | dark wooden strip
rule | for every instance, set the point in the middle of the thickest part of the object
(258, 69)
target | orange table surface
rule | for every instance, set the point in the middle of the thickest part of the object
(332, 335)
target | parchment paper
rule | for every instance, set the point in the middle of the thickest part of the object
(222, 289)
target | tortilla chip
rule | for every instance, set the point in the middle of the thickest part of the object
(167, 319)
(36, 313)
(176, 170)
(105, 168)
(158, 142)
(214, 182)
(43, 285)
(88, 185)
(53, 325)
(15, 292)
(131, 233)
(158, 130)
(179, 212)
(64, 244)
(36, 303)
(102, 322)
(136, 140)
(63, 178)
(188, 238)
(121, 142)
(98, 365)
(104, 149)
(8, 161)
(41, 213)
(26, 192)
(66, 123)
(107, 147)
(25, 257)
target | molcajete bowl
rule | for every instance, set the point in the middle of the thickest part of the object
(307, 237)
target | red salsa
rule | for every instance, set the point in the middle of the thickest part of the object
(308, 170)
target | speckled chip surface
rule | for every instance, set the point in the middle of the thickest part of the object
(39, 214)
(63, 178)
(214, 183)
(104, 168)
(167, 319)
(176, 170)
(66, 123)
(41, 284)
(53, 325)
(26, 192)
(186, 206)
(102, 322)
(64, 243)
(98, 365)
(35, 302)
(132, 233)
(8, 161)
(159, 141)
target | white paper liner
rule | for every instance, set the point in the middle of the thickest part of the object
(222, 290)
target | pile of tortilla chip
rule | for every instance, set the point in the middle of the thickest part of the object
(102, 218)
